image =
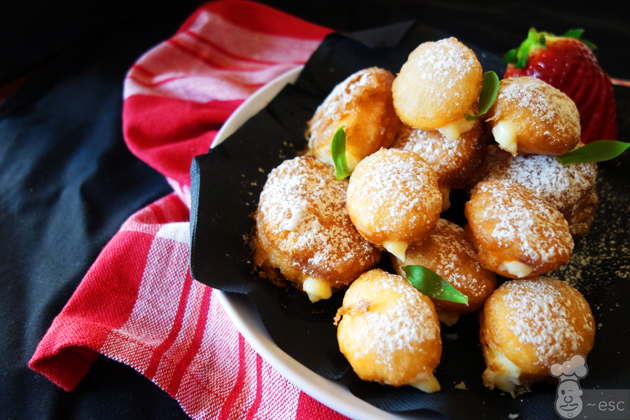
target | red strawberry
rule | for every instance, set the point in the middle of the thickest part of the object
(568, 64)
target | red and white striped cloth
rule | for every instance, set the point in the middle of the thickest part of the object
(138, 303)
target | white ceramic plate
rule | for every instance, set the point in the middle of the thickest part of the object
(243, 313)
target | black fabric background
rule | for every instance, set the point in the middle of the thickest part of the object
(67, 181)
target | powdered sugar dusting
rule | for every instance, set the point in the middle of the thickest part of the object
(525, 221)
(446, 63)
(547, 104)
(397, 190)
(304, 209)
(452, 243)
(563, 186)
(341, 102)
(541, 313)
(403, 326)
(445, 156)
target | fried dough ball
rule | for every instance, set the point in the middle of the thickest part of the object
(571, 189)
(448, 252)
(393, 199)
(437, 86)
(528, 325)
(363, 104)
(452, 160)
(390, 332)
(516, 233)
(531, 116)
(303, 231)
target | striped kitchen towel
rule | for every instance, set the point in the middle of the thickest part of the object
(138, 303)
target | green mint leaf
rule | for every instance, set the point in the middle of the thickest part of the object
(574, 33)
(510, 57)
(432, 285)
(597, 151)
(488, 94)
(338, 151)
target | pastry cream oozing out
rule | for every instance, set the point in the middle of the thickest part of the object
(505, 135)
(507, 379)
(351, 159)
(448, 318)
(396, 248)
(453, 130)
(316, 289)
(427, 382)
(517, 268)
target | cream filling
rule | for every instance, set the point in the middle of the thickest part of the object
(351, 159)
(453, 130)
(517, 268)
(316, 289)
(508, 379)
(426, 382)
(505, 135)
(396, 248)
(448, 318)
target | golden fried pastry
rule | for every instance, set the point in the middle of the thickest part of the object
(516, 233)
(571, 189)
(390, 332)
(531, 116)
(303, 230)
(393, 199)
(437, 86)
(363, 104)
(528, 325)
(449, 253)
(452, 160)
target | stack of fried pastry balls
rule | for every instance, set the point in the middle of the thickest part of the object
(410, 140)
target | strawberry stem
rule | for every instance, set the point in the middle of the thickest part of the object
(536, 40)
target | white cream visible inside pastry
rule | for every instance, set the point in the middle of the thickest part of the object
(507, 379)
(448, 318)
(517, 268)
(505, 135)
(396, 248)
(316, 289)
(351, 159)
(446, 193)
(426, 382)
(453, 130)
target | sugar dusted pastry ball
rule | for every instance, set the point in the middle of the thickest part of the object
(452, 160)
(303, 232)
(449, 253)
(528, 325)
(363, 104)
(437, 86)
(393, 199)
(390, 332)
(516, 233)
(571, 189)
(531, 116)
